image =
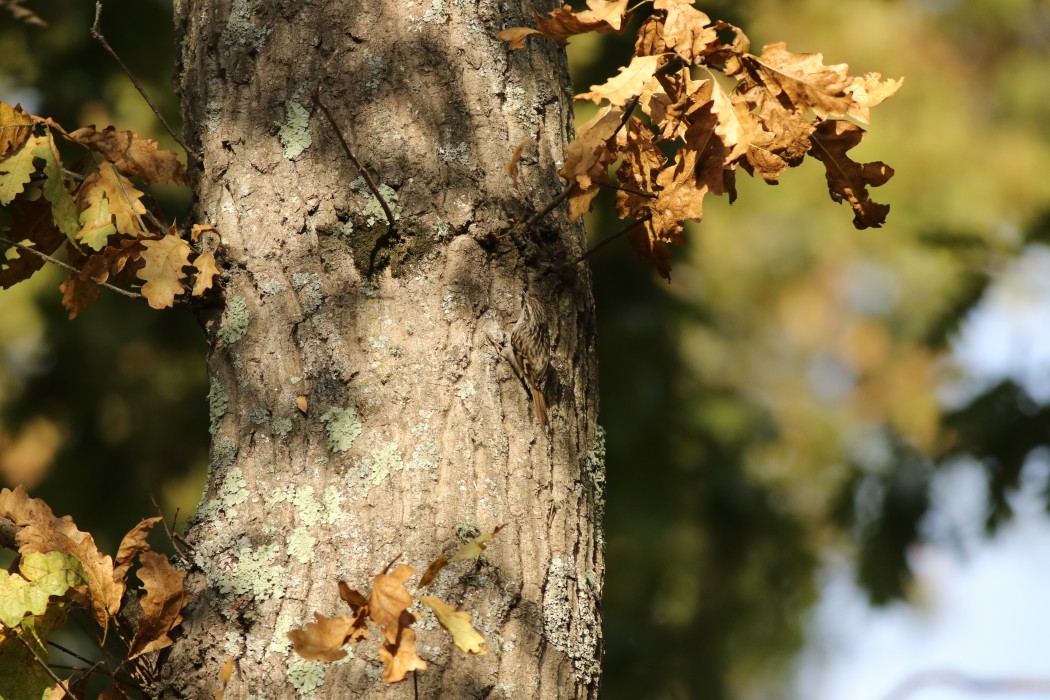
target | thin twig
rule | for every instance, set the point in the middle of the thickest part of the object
(528, 223)
(96, 32)
(93, 666)
(54, 676)
(353, 159)
(606, 241)
(171, 535)
(69, 268)
(631, 190)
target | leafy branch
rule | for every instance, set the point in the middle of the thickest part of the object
(780, 107)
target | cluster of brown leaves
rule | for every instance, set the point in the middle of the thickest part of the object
(386, 606)
(764, 115)
(99, 214)
(59, 567)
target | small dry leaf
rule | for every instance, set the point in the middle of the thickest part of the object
(847, 179)
(588, 157)
(133, 544)
(206, 271)
(432, 571)
(515, 36)
(16, 125)
(77, 294)
(621, 88)
(161, 605)
(457, 624)
(163, 272)
(359, 605)
(302, 403)
(322, 640)
(389, 599)
(476, 547)
(133, 155)
(686, 29)
(400, 655)
(124, 200)
(225, 675)
(512, 166)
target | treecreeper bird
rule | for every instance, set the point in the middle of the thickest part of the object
(529, 352)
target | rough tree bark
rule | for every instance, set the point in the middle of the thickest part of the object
(415, 435)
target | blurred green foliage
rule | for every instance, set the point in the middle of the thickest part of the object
(777, 401)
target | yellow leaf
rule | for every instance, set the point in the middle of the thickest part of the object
(628, 84)
(17, 168)
(124, 200)
(96, 223)
(476, 547)
(16, 125)
(162, 272)
(457, 624)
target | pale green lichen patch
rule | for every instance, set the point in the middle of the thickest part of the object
(232, 492)
(307, 508)
(259, 415)
(333, 505)
(223, 452)
(562, 596)
(255, 570)
(594, 469)
(455, 153)
(342, 427)
(273, 287)
(305, 676)
(301, 545)
(234, 323)
(424, 456)
(308, 284)
(240, 30)
(282, 426)
(218, 402)
(381, 462)
(373, 211)
(438, 13)
(467, 531)
(279, 642)
(295, 133)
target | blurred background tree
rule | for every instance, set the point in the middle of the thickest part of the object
(789, 396)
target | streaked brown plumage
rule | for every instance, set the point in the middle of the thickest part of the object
(529, 352)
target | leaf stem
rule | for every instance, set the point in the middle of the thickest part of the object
(68, 268)
(606, 241)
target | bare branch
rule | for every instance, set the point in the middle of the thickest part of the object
(972, 684)
(96, 32)
(353, 159)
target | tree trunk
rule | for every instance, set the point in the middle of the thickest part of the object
(360, 412)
